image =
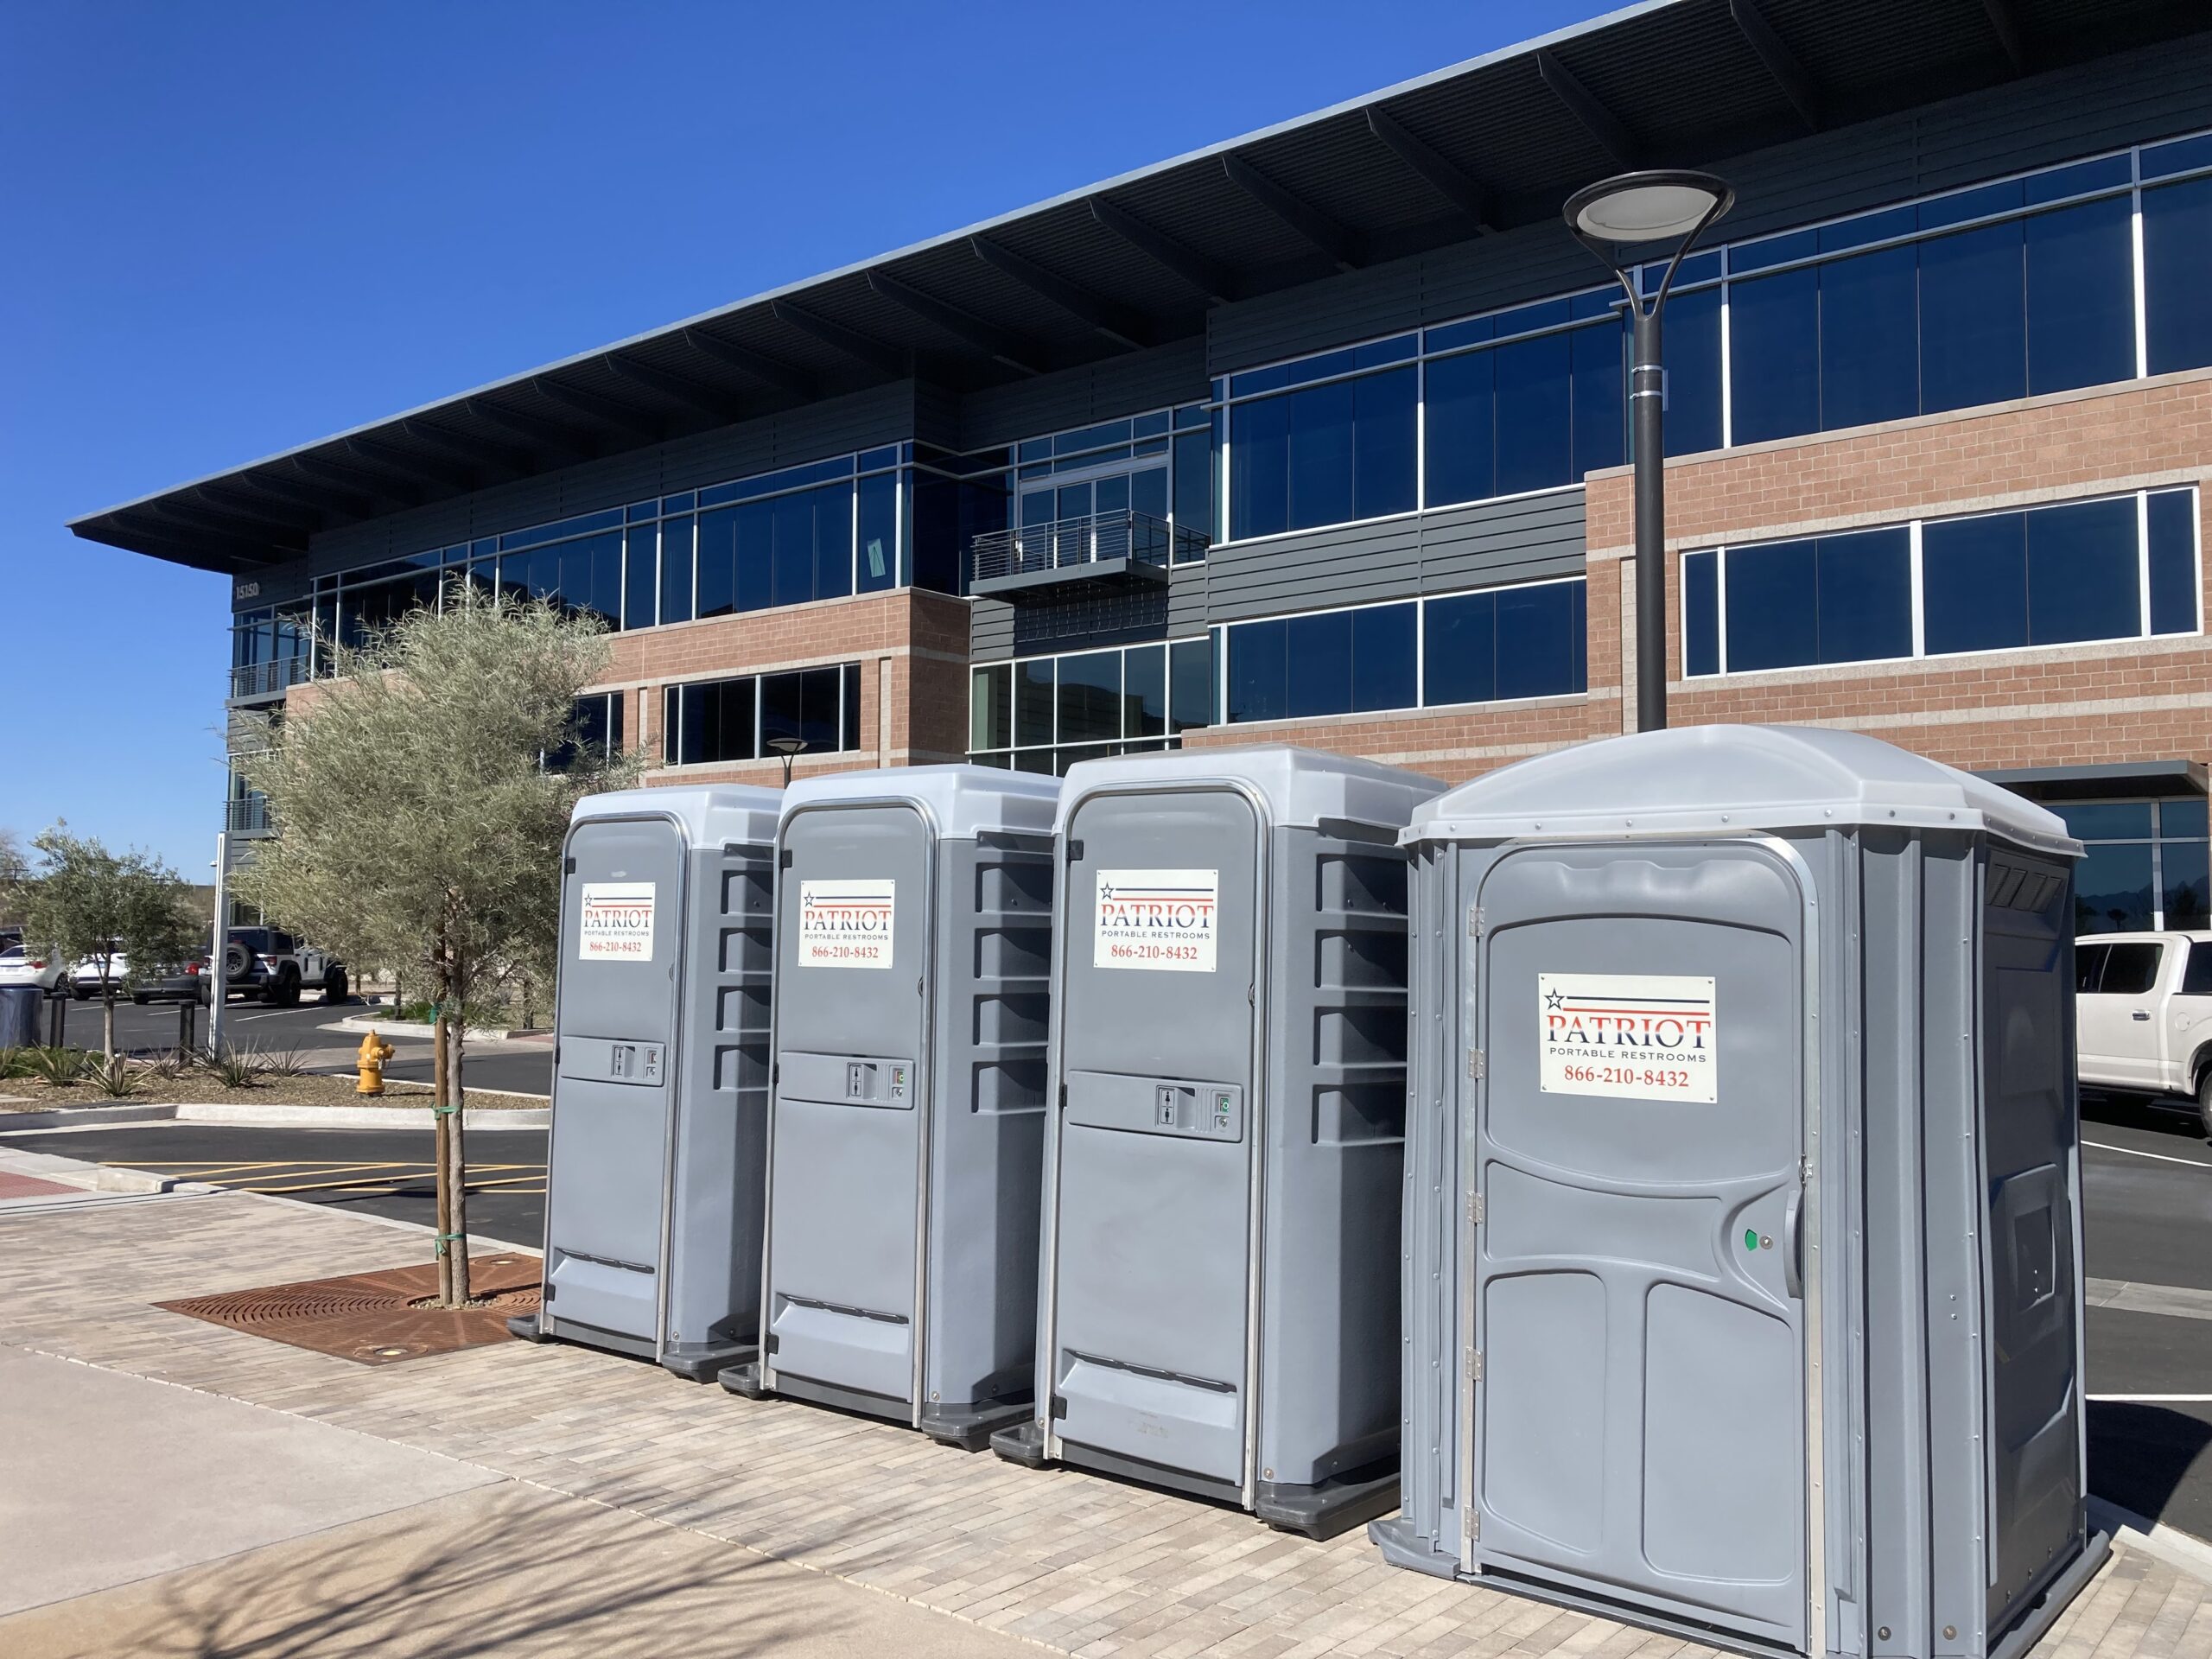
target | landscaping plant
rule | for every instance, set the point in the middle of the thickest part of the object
(444, 725)
(113, 1076)
(118, 912)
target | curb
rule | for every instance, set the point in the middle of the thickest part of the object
(355, 1117)
(417, 1029)
(2178, 1549)
(65, 1117)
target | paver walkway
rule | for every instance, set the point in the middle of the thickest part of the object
(1081, 1565)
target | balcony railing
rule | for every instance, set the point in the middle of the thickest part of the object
(267, 679)
(248, 816)
(1126, 542)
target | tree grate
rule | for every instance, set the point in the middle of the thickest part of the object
(372, 1318)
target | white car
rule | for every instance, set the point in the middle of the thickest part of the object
(20, 967)
(85, 981)
(2143, 1017)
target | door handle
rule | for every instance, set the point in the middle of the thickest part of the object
(2138, 1013)
(1793, 1272)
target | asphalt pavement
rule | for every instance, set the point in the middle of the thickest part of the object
(152, 1027)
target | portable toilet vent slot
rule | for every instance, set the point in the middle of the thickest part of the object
(654, 1197)
(1221, 1182)
(1743, 1259)
(913, 960)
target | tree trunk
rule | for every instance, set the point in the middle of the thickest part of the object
(439, 1137)
(107, 1018)
(457, 1155)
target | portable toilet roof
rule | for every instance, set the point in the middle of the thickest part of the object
(1722, 780)
(1302, 787)
(963, 800)
(710, 812)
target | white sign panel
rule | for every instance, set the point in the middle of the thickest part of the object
(1163, 919)
(617, 922)
(1634, 1036)
(847, 923)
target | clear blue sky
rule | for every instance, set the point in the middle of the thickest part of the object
(233, 228)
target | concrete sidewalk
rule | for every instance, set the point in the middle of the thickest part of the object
(521, 1499)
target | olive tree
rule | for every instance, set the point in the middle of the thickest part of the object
(418, 825)
(123, 913)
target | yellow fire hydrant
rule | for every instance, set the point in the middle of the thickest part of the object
(374, 1053)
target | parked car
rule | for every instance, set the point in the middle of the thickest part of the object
(86, 979)
(180, 982)
(20, 967)
(264, 964)
(2143, 1014)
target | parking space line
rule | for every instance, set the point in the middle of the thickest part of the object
(2164, 1157)
(2149, 1399)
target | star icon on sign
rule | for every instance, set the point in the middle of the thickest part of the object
(1553, 1000)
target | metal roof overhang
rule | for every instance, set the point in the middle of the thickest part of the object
(1485, 145)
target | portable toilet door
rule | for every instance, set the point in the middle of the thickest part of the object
(1222, 1177)
(1743, 1237)
(914, 914)
(653, 1196)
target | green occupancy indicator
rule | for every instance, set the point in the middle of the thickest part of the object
(1751, 1239)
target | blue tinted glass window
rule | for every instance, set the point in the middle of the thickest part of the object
(1382, 657)
(1700, 614)
(1460, 659)
(1973, 579)
(1321, 455)
(2173, 561)
(1321, 367)
(2113, 890)
(2106, 820)
(878, 564)
(1385, 420)
(1545, 314)
(1774, 356)
(1190, 687)
(1377, 352)
(1253, 380)
(1149, 426)
(1321, 647)
(641, 577)
(1258, 676)
(2108, 172)
(1869, 367)
(1972, 321)
(2081, 296)
(2177, 253)
(1693, 354)
(2083, 573)
(1864, 584)
(718, 562)
(1193, 492)
(1259, 468)
(1461, 438)
(1144, 679)
(1600, 397)
(2182, 155)
(833, 542)
(803, 705)
(2187, 873)
(2182, 818)
(1090, 697)
(1460, 333)
(754, 556)
(1540, 640)
(1773, 606)
(1534, 414)
(1772, 250)
(676, 570)
(1971, 203)
(1868, 227)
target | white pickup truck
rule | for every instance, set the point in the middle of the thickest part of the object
(2144, 1017)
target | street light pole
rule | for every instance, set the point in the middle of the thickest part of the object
(790, 748)
(1610, 218)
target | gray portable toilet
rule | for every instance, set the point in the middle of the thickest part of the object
(914, 914)
(1742, 1276)
(1222, 1174)
(660, 1098)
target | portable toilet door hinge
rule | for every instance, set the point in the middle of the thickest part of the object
(1475, 1208)
(1474, 920)
(1476, 1066)
(1475, 1365)
(1475, 1525)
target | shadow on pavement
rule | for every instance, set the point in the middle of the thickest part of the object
(2140, 1457)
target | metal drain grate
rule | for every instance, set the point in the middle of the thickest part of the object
(371, 1318)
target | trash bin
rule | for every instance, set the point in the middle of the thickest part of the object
(1742, 1275)
(653, 1199)
(914, 910)
(20, 1006)
(1222, 1191)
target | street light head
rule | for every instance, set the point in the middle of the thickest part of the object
(1653, 206)
(788, 745)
